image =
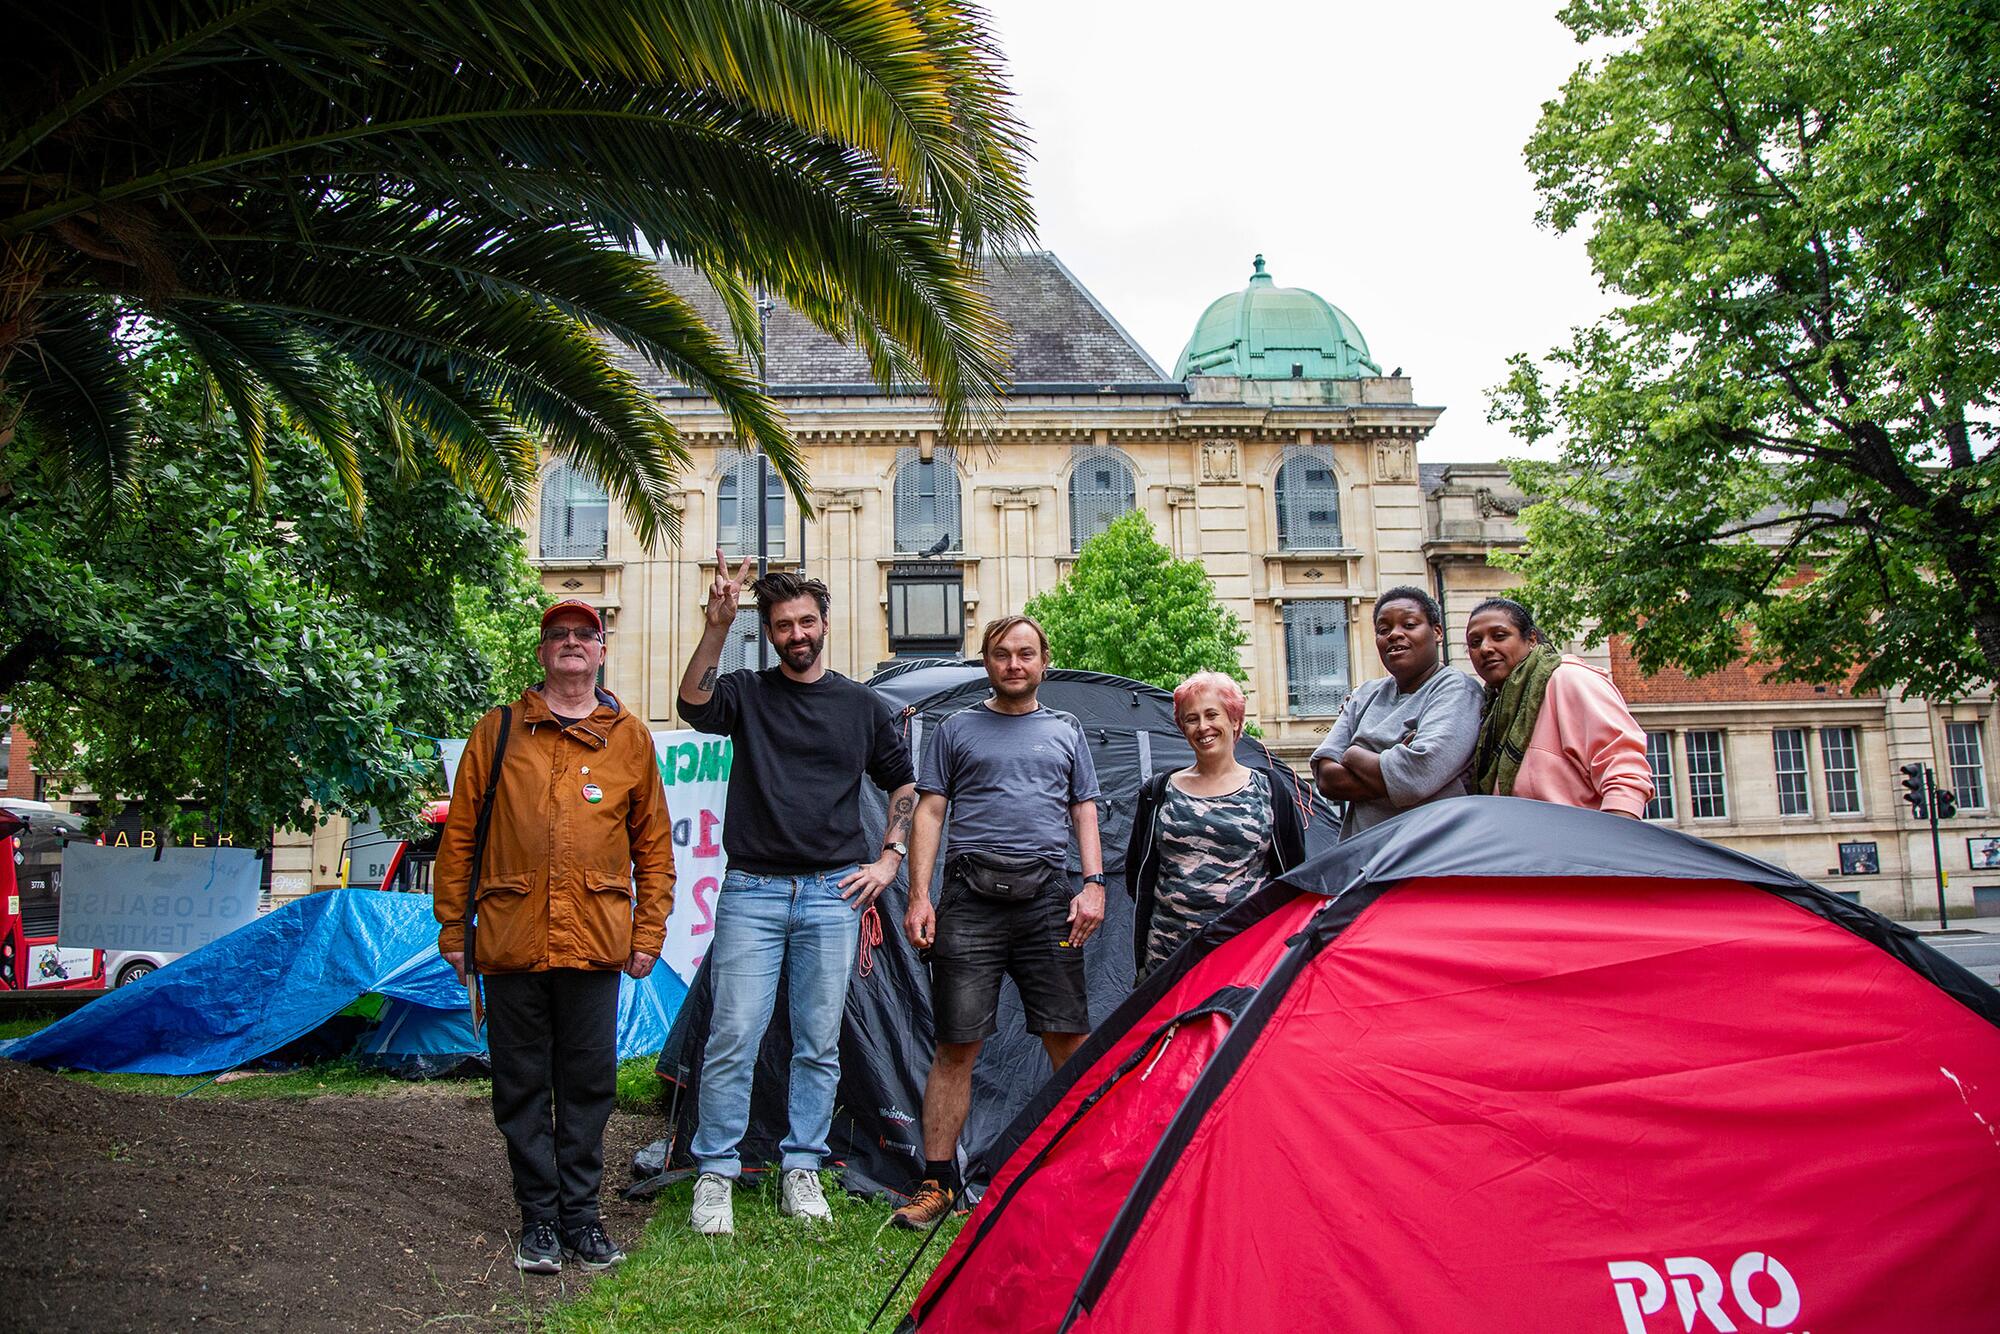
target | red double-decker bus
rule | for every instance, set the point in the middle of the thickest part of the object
(32, 835)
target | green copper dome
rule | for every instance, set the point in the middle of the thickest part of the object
(1267, 332)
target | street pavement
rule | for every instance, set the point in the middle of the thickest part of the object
(1971, 942)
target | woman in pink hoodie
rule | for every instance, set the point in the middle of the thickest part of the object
(1556, 728)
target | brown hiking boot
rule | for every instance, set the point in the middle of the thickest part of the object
(931, 1202)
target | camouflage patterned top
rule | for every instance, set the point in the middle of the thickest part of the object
(1213, 852)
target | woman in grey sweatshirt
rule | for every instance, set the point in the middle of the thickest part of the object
(1406, 738)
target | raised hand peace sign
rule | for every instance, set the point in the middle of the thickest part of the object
(726, 590)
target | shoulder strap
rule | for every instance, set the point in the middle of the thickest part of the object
(479, 838)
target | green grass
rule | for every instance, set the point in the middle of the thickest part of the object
(775, 1274)
(639, 1086)
(22, 1025)
(308, 1081)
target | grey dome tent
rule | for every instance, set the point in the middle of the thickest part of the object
(886, 1039)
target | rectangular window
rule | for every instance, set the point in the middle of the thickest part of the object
(576, 516)
(926, 612)
(1708, 787)
(1840, 757)
(1968, 765)
(1788, 751)
(1316, 656)
(1660, 759)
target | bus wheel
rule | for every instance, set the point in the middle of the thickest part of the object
(132, 972)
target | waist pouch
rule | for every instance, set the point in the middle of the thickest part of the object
(1004, 879)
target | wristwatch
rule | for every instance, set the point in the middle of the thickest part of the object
(897, 846)
(1095, 878)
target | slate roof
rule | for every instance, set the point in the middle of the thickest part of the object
(1061, 337)
(1431, 476)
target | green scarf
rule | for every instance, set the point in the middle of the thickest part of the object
(1511, 710)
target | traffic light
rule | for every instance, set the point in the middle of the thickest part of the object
(1913, 791)
(1947, 804)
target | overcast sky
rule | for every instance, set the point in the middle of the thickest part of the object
(1371, 152)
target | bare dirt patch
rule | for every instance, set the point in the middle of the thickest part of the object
(127, 1211)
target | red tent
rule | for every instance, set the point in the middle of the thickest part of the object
(1501, 1065)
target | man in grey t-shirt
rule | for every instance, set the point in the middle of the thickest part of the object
(1406, 738)
(1018, 779)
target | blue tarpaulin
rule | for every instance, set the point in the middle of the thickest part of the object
(252, 991)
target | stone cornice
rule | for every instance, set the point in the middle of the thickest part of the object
(1039, 422)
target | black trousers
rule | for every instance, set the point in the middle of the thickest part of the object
(553, 1039)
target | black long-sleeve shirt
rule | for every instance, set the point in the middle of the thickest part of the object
(800, 751)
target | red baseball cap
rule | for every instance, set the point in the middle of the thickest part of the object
(575, 605)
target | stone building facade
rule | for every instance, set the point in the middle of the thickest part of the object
(1286, 464)
(1279, 455)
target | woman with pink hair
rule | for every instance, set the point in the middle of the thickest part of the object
(1207, 836)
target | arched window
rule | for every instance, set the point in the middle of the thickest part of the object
(927, 509)
(741, 650)
(1100, 489)
(1308, 496)
(736, 513)
(576, 515)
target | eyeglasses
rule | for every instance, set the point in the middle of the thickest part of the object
(582, 634)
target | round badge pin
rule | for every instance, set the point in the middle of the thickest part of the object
(592, 793)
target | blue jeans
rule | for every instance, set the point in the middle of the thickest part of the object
(761, 921)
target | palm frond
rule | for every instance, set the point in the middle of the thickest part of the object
(451, 198)
(72, 381)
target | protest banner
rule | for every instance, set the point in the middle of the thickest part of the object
(694, 766)
(167, 899)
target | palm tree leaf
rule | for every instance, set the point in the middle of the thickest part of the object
(72, 379)
(448, 198)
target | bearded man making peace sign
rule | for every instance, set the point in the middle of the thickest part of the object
(801, 872)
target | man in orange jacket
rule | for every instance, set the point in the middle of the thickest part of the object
(575, 886)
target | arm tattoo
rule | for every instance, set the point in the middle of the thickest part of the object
(708, 679)
(899, 819)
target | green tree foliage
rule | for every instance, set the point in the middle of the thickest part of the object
(447, 200)
(1131, 609)
(196, 645)
(1783, 434)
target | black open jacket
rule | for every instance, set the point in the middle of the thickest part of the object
(1142, 856)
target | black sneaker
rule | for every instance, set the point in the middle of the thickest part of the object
(540, 1251)
(589, 1247)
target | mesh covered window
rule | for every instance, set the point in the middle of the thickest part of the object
(1316, 656)
(1840, 758)
(927, 509)
(1968, 765)
(1100, 489)
(736, 512)
(1308, 497)
(741, 650)
(1788, 756)
(1708, 784)
(576, 515)
(1660, 759)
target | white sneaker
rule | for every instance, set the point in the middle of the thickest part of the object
(800, 1196)
(714, 1213)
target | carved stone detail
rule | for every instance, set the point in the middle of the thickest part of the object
(1219, 461)
(1492, 506)
(1016, 497)
(844, 499)
(1395, 461)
